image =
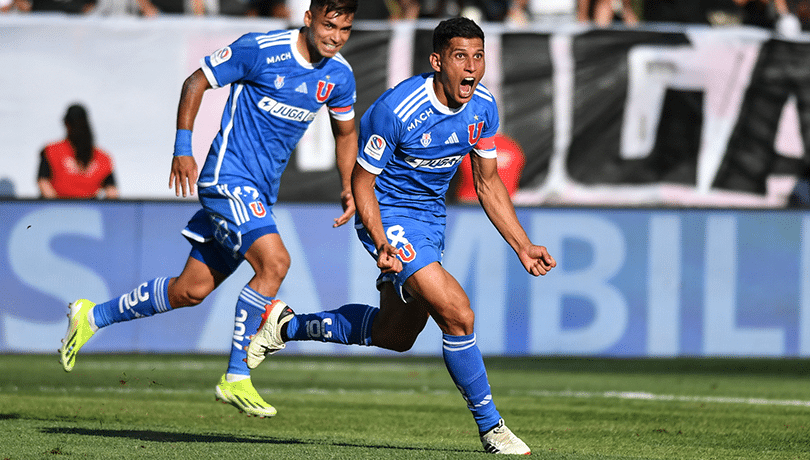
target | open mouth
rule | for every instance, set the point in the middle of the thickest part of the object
(330, 48)
(466, 87)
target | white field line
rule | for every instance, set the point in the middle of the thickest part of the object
(624, 395)
(635, 395)
(377, 367)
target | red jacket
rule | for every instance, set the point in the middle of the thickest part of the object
(68, 179)
(510, 166)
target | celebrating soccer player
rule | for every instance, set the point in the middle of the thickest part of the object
(412, 140)
(278, 81)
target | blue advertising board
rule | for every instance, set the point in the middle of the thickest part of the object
(629, 282)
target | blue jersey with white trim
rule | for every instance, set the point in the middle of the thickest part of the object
(274, 96)
(414, 144)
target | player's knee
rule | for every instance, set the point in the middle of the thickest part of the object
(400, 344)
(401, 348)
(457, 320)
(276, 267)
(182, 297)
(398, 339)
(462, 321)
(459, 308)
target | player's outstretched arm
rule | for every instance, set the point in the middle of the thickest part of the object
(497, 204)
(183, 173)
(346, 155)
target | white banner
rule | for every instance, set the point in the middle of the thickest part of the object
(128, 73)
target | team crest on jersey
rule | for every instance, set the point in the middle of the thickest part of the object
(221, 55)
(279, 81)
(257, 208)
(375, 146)
(475, 132)
(324, 90)
(425, 139)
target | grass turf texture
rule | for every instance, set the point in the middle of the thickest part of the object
(162, 406)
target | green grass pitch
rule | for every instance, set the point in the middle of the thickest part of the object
(162, 407)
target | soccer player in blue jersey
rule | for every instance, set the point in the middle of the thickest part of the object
(412, 140)
(278, 81)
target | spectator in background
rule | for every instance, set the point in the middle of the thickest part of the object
(603, 13)
(485, 10)
(785, 17)
(524, 12)
(9, 6)
(760, 13)
(511, 161)
(774, 14)
(63, 6)
(144, 8)
(75, 167)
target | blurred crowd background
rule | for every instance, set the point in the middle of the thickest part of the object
(789, 15)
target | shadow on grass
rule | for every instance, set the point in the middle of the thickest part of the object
(168, 436)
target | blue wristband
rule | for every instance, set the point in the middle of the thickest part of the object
(182, 143)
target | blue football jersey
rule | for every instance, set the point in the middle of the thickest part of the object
(274, 96)
(414, 144)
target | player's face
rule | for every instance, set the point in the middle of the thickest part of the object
(326, 32)
(459, 68)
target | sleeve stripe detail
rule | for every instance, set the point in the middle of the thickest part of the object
(339, 58)
(266, 41)
(212, 80)
(369, 167)
(484, 94)
(409, 101)
(493, 153)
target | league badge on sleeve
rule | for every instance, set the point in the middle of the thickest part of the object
(221, 55)
(375, 146)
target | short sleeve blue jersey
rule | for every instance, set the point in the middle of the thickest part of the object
(414, 144)
(274, 96)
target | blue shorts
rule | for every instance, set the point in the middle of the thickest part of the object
(419, 244)
(232, 218)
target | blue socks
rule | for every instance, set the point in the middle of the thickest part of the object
(466, 366)
(349, 324)
(249, 310)
(145, 300)
(152, 297)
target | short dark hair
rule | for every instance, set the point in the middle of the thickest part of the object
(452, 28)
(338, 6)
